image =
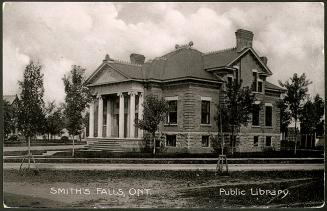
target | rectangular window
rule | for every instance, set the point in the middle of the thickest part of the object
(172, 113)
(232, 141)
(254, 81)
(268, 116)
(171, 140)
(259, 86)
(255, 141)
(205, 112)
(229, 79)
(268, 141)
(255, 115)
(205, 141)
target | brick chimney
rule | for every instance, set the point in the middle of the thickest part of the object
(137, 58)
(264, 59)
(244, 39)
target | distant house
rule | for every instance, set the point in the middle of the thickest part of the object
(12, 100)
(192, 82)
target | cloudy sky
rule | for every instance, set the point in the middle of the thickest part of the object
(59, 35)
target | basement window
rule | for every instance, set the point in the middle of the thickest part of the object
(171, 140)
(255, 141)
(205, 141)
(268, 141)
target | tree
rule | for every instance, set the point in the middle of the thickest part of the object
(311, 115)
(154, 112)
(236, 108)
(77, 98)
(31, 104)
(8, 117)
(285, 116)
(54, 119)
(296, 92)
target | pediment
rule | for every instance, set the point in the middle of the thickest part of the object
(107, 74)
(255, 60)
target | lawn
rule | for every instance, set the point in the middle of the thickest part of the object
(127, 189)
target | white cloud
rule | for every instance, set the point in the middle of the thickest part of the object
(61, 34)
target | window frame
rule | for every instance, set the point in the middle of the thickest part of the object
(260, 81)
(208, 141)
(168, 119)
(255, 142)
(270, 141)
(258, 105)
(174, 140)
(271, 115)
(255, 77)
(205, 114)
(230, 79)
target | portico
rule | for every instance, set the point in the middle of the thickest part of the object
(113, 115)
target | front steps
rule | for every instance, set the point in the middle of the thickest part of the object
(110, 145)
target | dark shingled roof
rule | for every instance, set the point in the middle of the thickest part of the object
(183, 62)
(273, 87)
(219, 58)
(130, 70)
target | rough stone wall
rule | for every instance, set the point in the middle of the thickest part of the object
(189, 129)
(247, 133)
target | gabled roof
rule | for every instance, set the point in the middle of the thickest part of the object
(128, 70)
(273, 87)
(228, 57)
(256, 56)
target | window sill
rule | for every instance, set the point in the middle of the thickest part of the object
(205, 147)
(205, 125)
(268, 127)
(256, 126)
(173, 125)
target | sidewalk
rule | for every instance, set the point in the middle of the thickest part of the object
(25, 148)
(171, 167)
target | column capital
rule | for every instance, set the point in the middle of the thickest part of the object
(141, 94)
(132, 93)
(120, 94)
(99, 97)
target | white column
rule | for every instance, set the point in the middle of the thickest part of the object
(121, 115)
(91, 120)
(140, 116)
(100, 117)
(132, 115)
(108, 132)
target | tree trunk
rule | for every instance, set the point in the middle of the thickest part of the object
(154, 143)
(232, 140)
(73, 152)
(295, 137)
(29, 152)
(222, 135)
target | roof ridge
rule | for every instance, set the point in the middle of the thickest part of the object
(126, 62)
(219, 51)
